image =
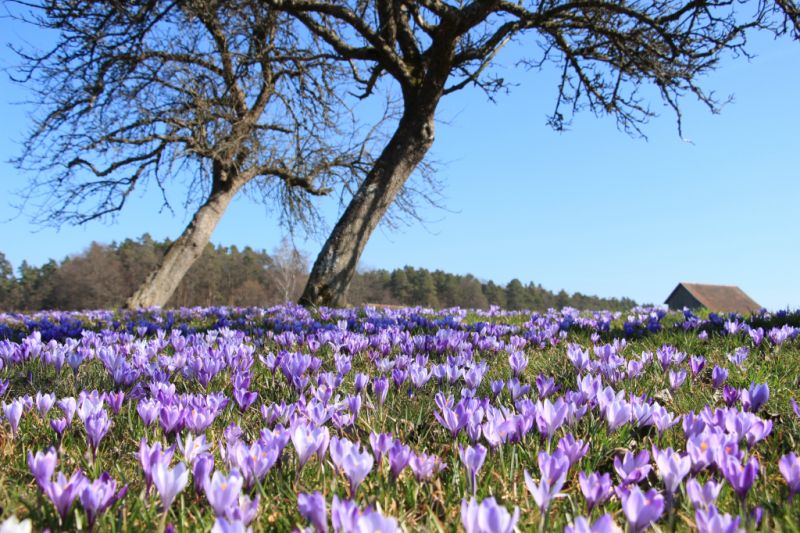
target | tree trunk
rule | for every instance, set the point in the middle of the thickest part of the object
(161, 283)
(337, 261)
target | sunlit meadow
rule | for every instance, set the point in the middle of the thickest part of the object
(384, 420)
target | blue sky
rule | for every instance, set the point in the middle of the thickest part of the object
(590, 210)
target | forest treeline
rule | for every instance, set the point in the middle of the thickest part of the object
(104, 276)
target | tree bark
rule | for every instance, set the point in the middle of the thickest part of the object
(161, 283)
(337, 261)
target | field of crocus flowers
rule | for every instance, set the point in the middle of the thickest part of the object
(369, 420)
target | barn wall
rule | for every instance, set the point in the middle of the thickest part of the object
(682, 298)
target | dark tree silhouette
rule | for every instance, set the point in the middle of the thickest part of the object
(223, 95)
(608, 53)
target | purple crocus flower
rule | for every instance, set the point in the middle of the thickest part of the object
(711, 447)
(399, 377)
(740, 476)
(702, 496)
(663, 419)
(550, 416)
(758, 431)
(360, 382)
(373, 521)
(697, 363)
(89, 403)
(453, 420)
(676, 379)
(739, 356)
(192, 446)
(573, 449)
(642, 509)
(356, 465)
(399, 456)
(546, 386)
(201, 470)
(381, 443)
(354, 404)
(579, 357)
(473, 458)
(338, 449)
(756, 514)
(712, 521)
(344, 514)
(100, 495)
(554, 473)
(517, 388)
(420, 375)
(604, 524)
(487, 517)
(224, 525)
(474, 376)
(222, 492)
(232, 433)
(672, 468)
(381, 389)
(755, 397)
(62, 492)
(97, 425)
(44, 402)
(169, 482)
(497, 387)
(244, 398)
(306, 442)
(553, 467)
(149, 456)
(795, 408)
(115, 400)
(789, 466)
(171, 418)
(148, 410)
(312, 507)
(618, 413)
(730, 395)
(59, 425)
(518, 362)
(13, 413)
(634, 368)
(756, 335)
(245, 511)
(68, 406)
(42, 465)
(632, 468)
(254, 461)
(718, 376)
(596, 488)
(425, 466)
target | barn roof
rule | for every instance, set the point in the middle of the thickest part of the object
(720, 298)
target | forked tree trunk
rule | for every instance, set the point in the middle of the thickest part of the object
(160, 284)
(337, 261)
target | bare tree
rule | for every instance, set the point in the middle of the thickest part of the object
(609, 53)
(216, 96)
(288, 269)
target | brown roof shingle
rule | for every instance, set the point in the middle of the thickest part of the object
(722, 298)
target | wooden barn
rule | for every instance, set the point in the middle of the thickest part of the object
(718, 298)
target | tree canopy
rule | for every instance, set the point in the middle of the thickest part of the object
(199, 99)
(610, 56)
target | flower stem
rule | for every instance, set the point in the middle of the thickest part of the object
(162, 525)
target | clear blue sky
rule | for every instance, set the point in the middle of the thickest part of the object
(590, 210)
